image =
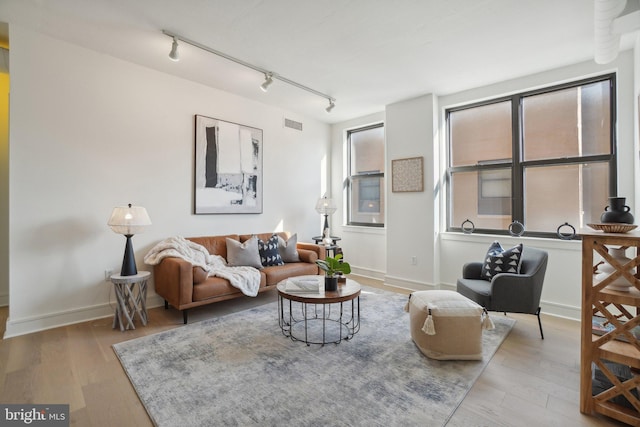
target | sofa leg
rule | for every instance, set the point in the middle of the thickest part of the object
(185, 316)
(166, 305)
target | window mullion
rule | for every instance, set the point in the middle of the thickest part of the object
(517, 173)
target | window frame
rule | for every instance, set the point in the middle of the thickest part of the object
(349, 180)
(517, 164)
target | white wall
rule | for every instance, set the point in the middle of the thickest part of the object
(411, 232)
(89, 132)
(4, 189)
(413, 222)
(562, 288)
(365, 248)
(410, 218)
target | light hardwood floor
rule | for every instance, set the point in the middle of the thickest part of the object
(528, 382)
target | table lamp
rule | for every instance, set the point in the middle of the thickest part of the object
(325, 206)
(128, 220)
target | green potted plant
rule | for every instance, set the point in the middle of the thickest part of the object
(331, 267)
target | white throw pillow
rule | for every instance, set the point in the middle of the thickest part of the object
(243, 254)
(288, 249)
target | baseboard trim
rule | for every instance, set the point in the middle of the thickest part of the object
(561, 310)
(44, 322)
(414, 285)
(4, 300)
(367, 272)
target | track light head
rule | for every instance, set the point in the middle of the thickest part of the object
(331, 106)
(173, 55)
(268, 79)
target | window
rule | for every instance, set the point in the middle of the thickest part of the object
(365, 176)
(542, 158)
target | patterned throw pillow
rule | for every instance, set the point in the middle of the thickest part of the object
(499, 260)
(269, 253)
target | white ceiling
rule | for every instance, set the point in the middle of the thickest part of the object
(364, 53)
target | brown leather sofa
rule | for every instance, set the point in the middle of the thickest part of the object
(184, 286)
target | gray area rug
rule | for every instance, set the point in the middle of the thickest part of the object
(239, 370)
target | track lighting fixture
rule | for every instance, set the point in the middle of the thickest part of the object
(331, 106)
(268, 75)
(268, 79)
(173, 55)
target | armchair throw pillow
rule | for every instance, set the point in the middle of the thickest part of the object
(499, 260)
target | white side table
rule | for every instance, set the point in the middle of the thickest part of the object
(128, 301)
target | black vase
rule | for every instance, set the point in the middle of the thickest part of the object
(330, 284)
(617, 212)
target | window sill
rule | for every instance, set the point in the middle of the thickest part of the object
(539, 242)
(362, 229)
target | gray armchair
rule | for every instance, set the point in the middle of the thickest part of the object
(508, 292)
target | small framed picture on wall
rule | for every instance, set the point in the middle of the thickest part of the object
(407, 175)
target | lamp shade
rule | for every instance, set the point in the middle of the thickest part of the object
(129, 220)
(325, 206)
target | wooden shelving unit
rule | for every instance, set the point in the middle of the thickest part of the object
(621, 308)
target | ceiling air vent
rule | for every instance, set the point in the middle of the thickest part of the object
(288, 123)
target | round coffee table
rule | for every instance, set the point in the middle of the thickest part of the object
(319, 317)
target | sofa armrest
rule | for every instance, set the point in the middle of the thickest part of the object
(173, 279)
(320, 251)
(307, 255)
(472, 270)
(520, 293)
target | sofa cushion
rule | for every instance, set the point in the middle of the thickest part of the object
(243, 254)
(479, 290)
(277, 273)
(216, 245)
(499, 260)
(216, 287)
(269, 254)
(288, 249)
(199, 275)
(264, 236)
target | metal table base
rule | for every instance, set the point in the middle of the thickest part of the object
(320, 318)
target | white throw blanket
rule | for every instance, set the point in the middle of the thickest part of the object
(247, 279)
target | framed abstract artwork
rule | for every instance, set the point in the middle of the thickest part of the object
(407, 175)
(228, 167)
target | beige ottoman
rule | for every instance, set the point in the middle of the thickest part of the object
(446, 325)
